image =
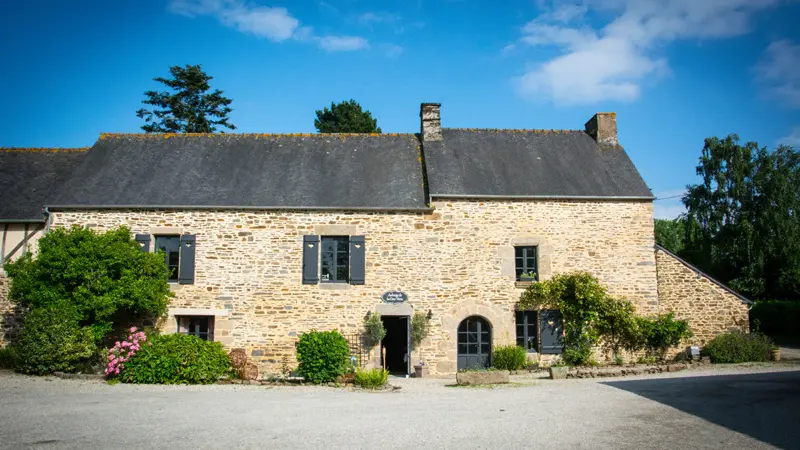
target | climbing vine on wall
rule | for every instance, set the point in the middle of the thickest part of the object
(591, 315)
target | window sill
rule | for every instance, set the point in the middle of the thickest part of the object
(326, 286)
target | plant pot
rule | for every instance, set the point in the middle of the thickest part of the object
(776, 354)
(526, 279)
(420, 371)
(559, 372)
(347, 378)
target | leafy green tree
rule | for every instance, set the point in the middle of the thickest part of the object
(742, 224)
(105, 276)
(670, 234)
(345, 117)
(189, 107)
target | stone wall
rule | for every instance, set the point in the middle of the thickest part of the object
(456, 261)
(8, 319)
(710, 308)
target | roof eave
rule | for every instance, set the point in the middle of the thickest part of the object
(549, 197)
(247, 208)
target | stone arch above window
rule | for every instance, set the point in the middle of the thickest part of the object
(544, 256)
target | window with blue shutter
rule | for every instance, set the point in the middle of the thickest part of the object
(144, 241)
(310, 259)
(186, 268)
(357, 259)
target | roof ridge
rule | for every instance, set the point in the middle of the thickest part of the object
(518, 130)
(249, 135)
(43, 149)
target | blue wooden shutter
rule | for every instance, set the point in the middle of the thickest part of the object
(551, 329)
(144, 241)
(310, 259)
(186, 269)
(357, 259)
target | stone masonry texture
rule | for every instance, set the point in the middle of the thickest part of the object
(456, 261)
(710, 309)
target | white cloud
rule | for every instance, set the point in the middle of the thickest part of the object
(371, 17)
(392, 50)
(273, 23)
(778, 73)
(614, 61)
(343, 43)
(792, 139)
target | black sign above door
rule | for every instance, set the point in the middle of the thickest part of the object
(394, 297)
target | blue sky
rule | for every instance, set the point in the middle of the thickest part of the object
(675, 71)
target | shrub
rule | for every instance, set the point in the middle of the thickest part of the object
(662, 332)
(375, 332)
(323, 356)
(776, 318)
(509, 357)
(8, 357)
(52, 341)
(372, 378)
(420, 327)
(106, 276)
(738, 346)
(177, 359)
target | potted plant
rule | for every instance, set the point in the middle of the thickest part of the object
(420, 327)
(558, 371)
(527, 277)
(775, 353)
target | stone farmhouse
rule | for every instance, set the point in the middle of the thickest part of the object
(270, 236)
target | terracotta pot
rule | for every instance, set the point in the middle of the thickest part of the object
(776, 354)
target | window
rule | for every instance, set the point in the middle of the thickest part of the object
(171, 246)
(200, 326)
(335, 259)
(526, 264)
(526, 330)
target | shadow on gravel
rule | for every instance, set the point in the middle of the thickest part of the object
(764, 406)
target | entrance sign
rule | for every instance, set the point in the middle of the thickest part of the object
(394, 297)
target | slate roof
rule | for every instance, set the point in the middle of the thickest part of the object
(29, 178)
(259, 171)
(529, 163)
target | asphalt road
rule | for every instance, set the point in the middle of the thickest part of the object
(690, 411)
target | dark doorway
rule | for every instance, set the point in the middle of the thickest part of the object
(396, 344)
(474, 344)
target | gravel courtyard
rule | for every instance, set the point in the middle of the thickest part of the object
(715, 408)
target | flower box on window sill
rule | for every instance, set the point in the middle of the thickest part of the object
(523, 284)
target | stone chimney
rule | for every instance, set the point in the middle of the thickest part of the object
(603, 128)
(430, 118)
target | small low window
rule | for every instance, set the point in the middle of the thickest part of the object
(526, 330)
(171, 246)
(335, 259)
(526, 263)
(200, 326)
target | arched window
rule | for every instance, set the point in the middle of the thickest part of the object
(474, 343)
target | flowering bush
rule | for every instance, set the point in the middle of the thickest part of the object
(176, 359)
(123, 351)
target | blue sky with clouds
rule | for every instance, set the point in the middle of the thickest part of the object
(675, 71)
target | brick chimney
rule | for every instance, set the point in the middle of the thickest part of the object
(430, 118)
(603, 128)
